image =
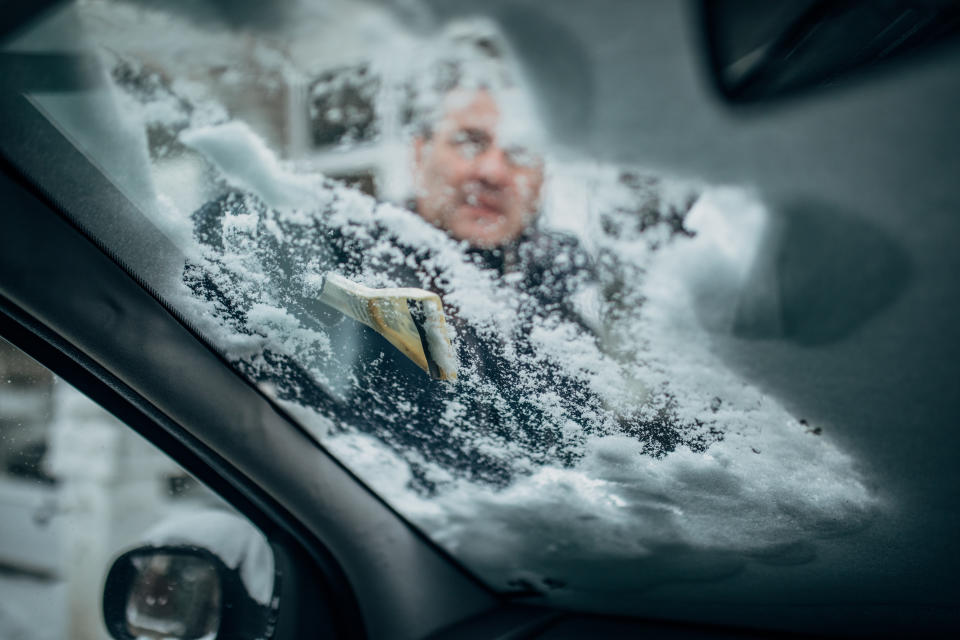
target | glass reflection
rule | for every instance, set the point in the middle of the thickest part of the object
(174, 596)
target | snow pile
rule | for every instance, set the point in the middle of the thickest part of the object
(729, 471)
(247, 164)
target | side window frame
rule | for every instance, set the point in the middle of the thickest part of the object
(310, 574)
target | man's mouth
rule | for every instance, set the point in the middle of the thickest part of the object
(486, 204)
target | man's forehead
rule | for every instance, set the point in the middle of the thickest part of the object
(506, 117)
(470, 109)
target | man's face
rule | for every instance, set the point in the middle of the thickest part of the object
(468, 182)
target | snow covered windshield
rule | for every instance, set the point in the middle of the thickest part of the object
(507, 342)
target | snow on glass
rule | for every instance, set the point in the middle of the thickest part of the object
(615, 438)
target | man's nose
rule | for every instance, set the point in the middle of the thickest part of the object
(493, 167)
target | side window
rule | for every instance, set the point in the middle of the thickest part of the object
(78, 489)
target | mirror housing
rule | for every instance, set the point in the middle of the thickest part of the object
(182, 591)
(759, 50)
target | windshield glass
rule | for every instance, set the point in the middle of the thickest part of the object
(507, 340)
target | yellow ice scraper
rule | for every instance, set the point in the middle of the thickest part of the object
(411, 319)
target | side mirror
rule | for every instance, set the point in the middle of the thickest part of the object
(183, 592)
